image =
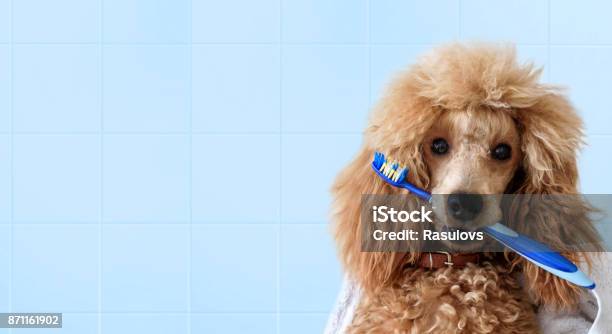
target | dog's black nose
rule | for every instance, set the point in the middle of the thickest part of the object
(464, 207)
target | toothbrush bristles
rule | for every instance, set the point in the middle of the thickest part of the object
(391, 169)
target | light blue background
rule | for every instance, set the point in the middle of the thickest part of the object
(165, 164)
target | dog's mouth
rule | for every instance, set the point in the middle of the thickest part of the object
(452, 229)
(461, 238)
(460, 233)
(466, 227)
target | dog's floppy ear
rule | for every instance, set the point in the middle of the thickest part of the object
(551, 135)
(396, 128)
(550, 139)
(370, 269)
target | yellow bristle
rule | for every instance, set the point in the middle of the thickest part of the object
(389, 170)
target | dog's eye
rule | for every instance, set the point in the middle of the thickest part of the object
(439, 146)
(501, 152)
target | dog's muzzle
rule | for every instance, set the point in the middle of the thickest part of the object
(463, 206)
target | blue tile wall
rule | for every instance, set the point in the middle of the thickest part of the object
(235, 21)
(519, 21)
(236, 88)
(585, 72)
(55, 268)
(137, 260)
(325, 88)
(146, 88)
(146, 178)
(594, 165)
(149, 323)
(386, 62)
(304, 323)
(309, 275)
(56, 178)
(5, 180)
(72, 323)
(143, 21)
(61, 21)
(306, 180)
(538, 55)
(586, 23)
(321, 21)
(165, 165)
(5, 86)
(5, 271)
(413, 21)
(236, 192)
(64, 79)
(5, 21)
(244, 277)
(237, 323)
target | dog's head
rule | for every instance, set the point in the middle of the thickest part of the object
(470, 123)
(471, 158)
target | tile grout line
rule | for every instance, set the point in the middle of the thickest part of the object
(190, 241)
(179, 313)
(331, 45)
(369, 46)
(459, 20)
(178, 133)
(280, 165)
(101, 102)
(169, 224)
(548, 29)
(12, 162)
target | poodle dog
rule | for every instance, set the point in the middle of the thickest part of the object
(468, 121)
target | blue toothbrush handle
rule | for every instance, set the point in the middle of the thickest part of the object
(418, 192)
(540, 255)
(534, 251)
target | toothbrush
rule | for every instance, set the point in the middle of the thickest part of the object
(539, 254)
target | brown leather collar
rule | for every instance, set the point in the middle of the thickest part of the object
(436, 260)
